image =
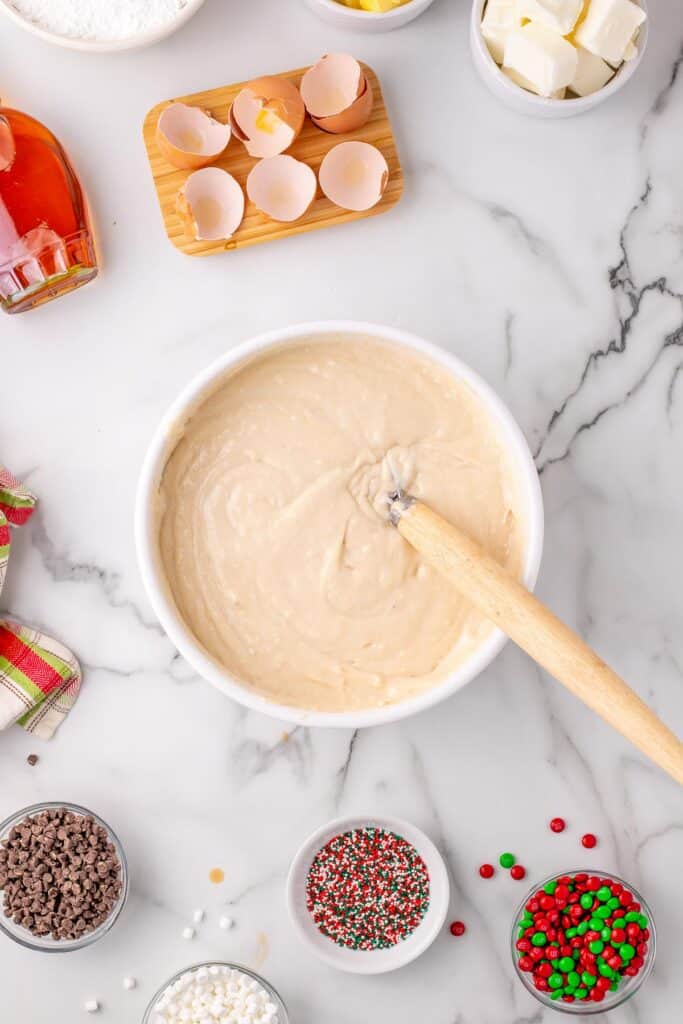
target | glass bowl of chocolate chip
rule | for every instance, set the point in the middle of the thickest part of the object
(63, 877)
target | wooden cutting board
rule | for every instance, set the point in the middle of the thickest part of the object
(311, 147)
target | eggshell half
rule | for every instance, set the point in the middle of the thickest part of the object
(267, 115)
(210, 204)
(190, 138)
(282, 187)
(354, 175)
(336, 94)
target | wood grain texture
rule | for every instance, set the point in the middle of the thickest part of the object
(311, 147)
(539, 632)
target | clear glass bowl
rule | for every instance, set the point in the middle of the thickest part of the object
(627, 987)
(283, 1016)
(46, 944)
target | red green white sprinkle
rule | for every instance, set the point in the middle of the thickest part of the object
(367, 889)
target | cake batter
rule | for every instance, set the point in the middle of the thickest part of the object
(273, 522)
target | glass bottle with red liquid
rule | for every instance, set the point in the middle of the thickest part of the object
(46, 244)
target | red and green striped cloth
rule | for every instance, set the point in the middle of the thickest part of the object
(39, 677)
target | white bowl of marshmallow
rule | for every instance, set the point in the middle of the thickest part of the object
(557, 58)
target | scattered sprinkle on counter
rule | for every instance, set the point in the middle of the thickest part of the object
(226, 923)
(188, 933)
(198, 916)
(129, 983)
(579, 936)
(91, 1006)
(367, 889)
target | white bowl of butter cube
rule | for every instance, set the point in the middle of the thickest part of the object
(368, 15)
(557, 58)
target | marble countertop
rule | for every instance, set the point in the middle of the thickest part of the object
(548, 255)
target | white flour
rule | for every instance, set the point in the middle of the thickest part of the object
(99, 19)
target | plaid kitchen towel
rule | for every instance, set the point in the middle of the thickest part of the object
(39, 677)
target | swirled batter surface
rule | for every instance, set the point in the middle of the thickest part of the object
(273, 532)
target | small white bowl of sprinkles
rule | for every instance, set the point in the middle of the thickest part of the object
(369, 894)
(97, 26)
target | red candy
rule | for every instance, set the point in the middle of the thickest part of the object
(457, 928)
(518, 872)
(589, 841)
(487, 871)
(557, 825)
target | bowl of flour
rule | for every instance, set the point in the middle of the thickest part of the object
(101, 25)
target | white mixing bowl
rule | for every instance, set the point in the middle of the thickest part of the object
(146, 527)
(137, 42)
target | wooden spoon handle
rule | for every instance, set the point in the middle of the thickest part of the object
(528, 622)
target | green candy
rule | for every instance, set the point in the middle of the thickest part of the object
(582, 928)
(614, 986)
(506, 860)
(643, 921)
(632, 915)
(605, 934)
(588, 979)
(619, 922)
(557, 994)
(603, 912)
(580, 993)
(613, 903)
(566, 964)
(604, 894)
(605, 971)
(570, 933)
(539, 939)
(549, 887)
(555, 981)
(573, 979)
(626, 951)
(596, 946)
(595, 923)
(586, 900)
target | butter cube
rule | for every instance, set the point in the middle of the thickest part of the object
(591, 73)
(542, 56)
(518, 79)
(559, 15)
(500, 18)
(609, 27)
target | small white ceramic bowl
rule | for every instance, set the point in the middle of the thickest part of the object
(357, 20)
(524, 102)
(146, 530)
(103, 45)
(377, 961)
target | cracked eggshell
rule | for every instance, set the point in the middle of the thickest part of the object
(267, 116)
(281, 187)
(336, 94)
(354, 175)
(210, 204)
(189, 138)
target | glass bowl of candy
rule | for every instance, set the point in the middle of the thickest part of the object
(216, 990)
(583, 942)
(63, 877)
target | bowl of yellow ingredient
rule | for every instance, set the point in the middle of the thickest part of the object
(369, 15)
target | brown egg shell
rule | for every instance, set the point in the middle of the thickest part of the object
(280, 96)
(354, 117)
(183, 159)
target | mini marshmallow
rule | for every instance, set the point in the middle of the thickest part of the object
(559, 15)
(226, 923)
(198, 916)
(129, 983)
(609, 28)
(92, 1006)
(188, 933)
